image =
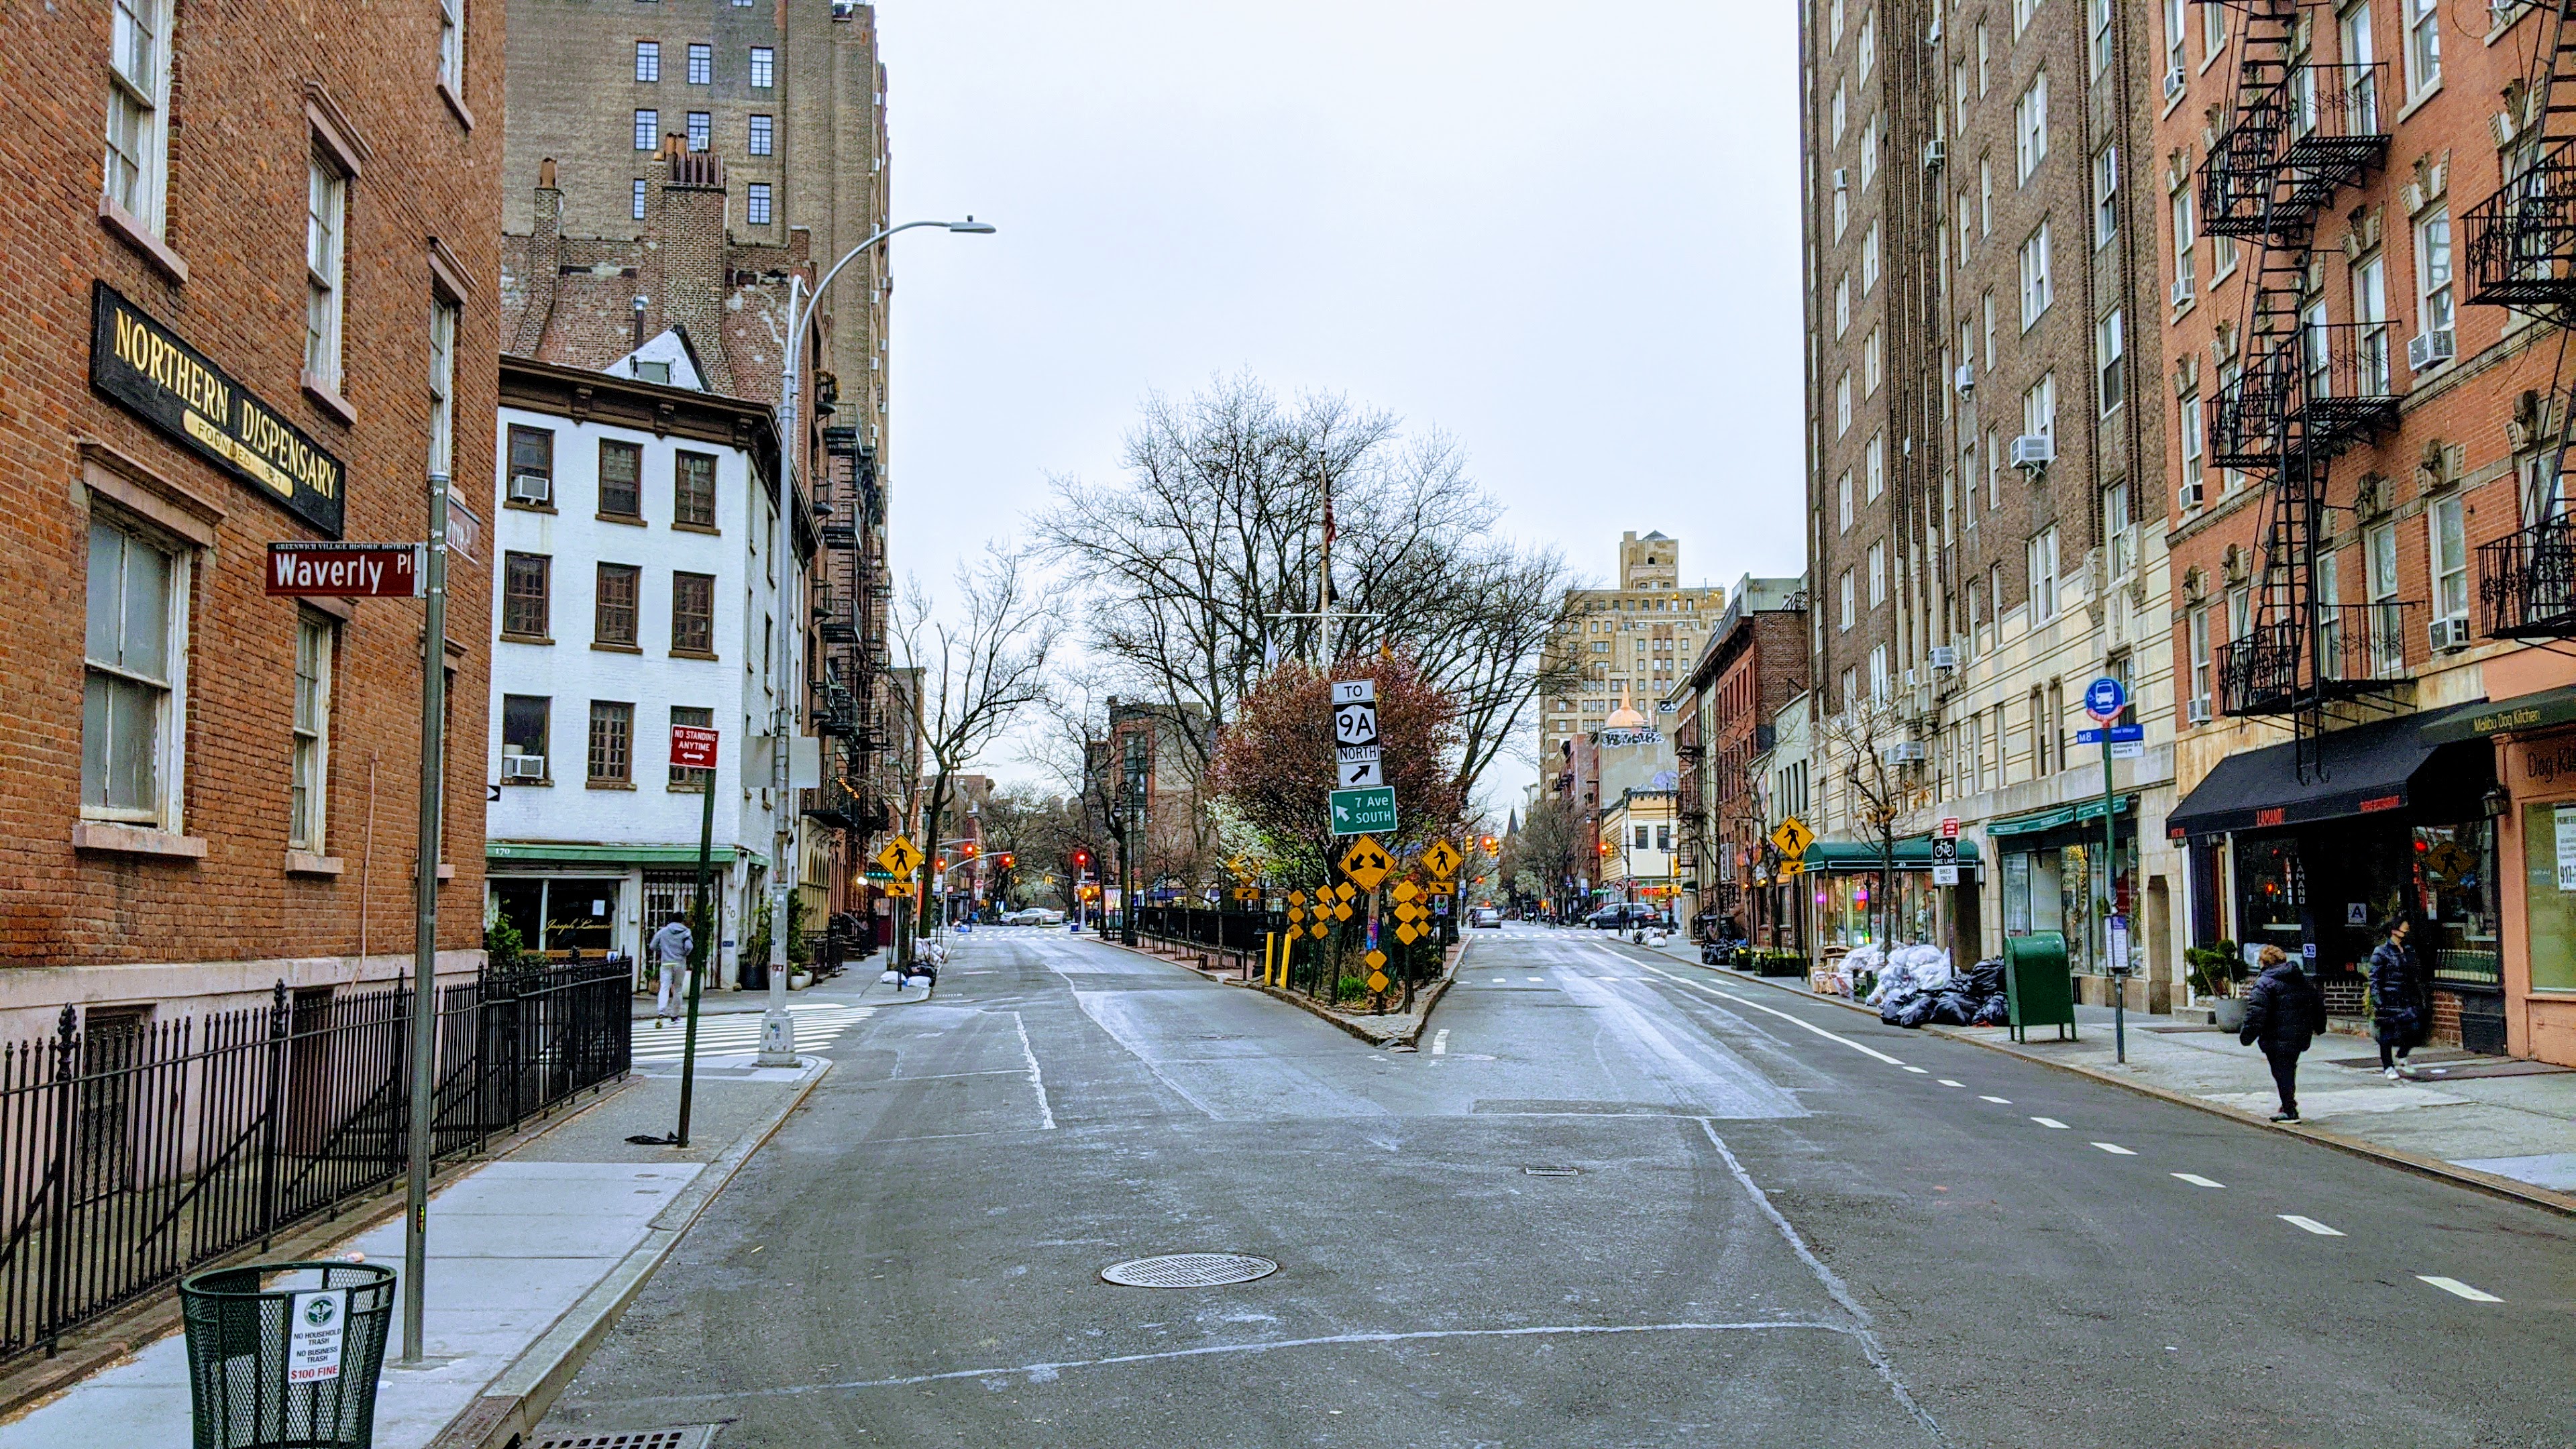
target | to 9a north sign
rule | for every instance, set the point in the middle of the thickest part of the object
(346, 570)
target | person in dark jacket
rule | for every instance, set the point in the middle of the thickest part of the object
(2396, 1000)
(2283, 1013)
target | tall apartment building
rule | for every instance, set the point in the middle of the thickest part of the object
(1977, 265)
(1629, 644)
(255, 320)
(2368, 282)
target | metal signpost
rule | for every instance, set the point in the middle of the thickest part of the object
(694, 748)
(2104, 699)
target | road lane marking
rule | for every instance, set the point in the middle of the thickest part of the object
(1037, 1080)
(2000, 1101)
(1914, 1069)
(2115, 1149)
(1945, 1081)
(1440, 1041)
(1499, 980)
(1784, 1016)
(2455, 1286)
(2309, 1225)
(2050, 1122)
(2196, 1180)
(1533, 978)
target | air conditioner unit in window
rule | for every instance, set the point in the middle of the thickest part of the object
(2449, 634)
(2034, 450)
(1935, 151)
(2430, 349)
(1842, 178)
(1964, 377)
(2183, 290)
(2196, 711)
(2187, 497)
(1905, 752)
(523, 767)
(2174, 81)
(531, 488)
(1945, 656)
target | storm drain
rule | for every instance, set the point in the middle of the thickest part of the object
(684, 1436)
(1189, 1270)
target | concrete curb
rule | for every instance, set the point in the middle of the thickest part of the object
(512, 1405)
(1411, 1036)
(2434, 1167)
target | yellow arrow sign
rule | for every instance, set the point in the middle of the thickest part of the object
(1366, 863)
(1443, 859)
(1246, 893)
(900, 857)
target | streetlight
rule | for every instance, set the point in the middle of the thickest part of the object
(777, 1029)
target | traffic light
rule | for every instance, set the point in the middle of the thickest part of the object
(973, 850)
(1003, 860)
(1485, 843)
(1081, 858)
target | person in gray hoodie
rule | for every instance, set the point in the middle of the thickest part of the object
(2283, 1013)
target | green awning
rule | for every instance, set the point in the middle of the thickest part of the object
(569, 853)
(2082, 810)
(1850, 856)
(2505, 716)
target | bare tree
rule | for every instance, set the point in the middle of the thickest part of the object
(1862, 740)
(977, 673)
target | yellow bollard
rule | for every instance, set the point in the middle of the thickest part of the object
(1268, 940)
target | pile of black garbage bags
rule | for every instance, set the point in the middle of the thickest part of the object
(1930, 994)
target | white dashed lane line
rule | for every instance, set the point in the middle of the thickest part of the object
(2050, 1122)
(1999, 1101)
(1914, 1069)
(2455, 1286)
(1945, 1081)
(2196, 1180)
(2115, 1149)
(2310, 1225)
(1800, 1022)
(1440, 1042)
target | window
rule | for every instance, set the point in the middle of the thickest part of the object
(451, 45)
(763, 67)
(1877, 574)
(613, 605)
(1838, 111)
(138, 95)
(2381, 545)
(532, 466)
(1869, 259)
(2185, 232)
(326, 220)
(1842, 212)
(309, 771)
(1968, 478)
(2174, 11)
(2329, 594)
(2387, 634)
(1842, 404)
(1870, 363)
(702, 65)
(2121, 543)
(1986, 313)
(2039, 407)
(136, 651)
(612, 743)
(2433, 272)
(755, 204)
(2222, 258)
(648, 60)
(2423, 45)
(621, 480)
(2030, 127)
(693, 615)
(524, 719)
(1869, 140)
(691, 717)
(2370, 311)
(1878, 672)
(635, 206)
(2448, 557)
(2043, 576)
(1643, 835)
(2360, 58)
(2036, 291)
(2099, 18)
(701, 130)
(1875, 461)
(2106, 195)
(1849, 613)
(2203, 673)
(525, 585)
(1967, 222)
(1843, 488)
(2110, 358)
(762, 135)
(1985, 58)
(1834, 26)
(1842, 304)
(693, 490)
(442, 385)
(2213, 30)
(1985, 196)
(2021, 14)
(2544, 490)
(2192, 450)
(1868, 55)
(1994, 473)
(648, 130)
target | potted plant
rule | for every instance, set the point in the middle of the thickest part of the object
(2214, 972)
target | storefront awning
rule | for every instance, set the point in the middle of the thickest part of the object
(568, 853)
(2359, 771)
(1848, 856)
(2506, 716)
(2081, 810)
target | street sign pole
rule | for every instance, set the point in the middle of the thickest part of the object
(2104, 699)
(424, 965)
(701, 938)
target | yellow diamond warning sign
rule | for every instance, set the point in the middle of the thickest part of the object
(1366, 863)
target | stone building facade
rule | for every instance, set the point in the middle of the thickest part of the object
(1620, 647)
(256, 322)
(1754, 665)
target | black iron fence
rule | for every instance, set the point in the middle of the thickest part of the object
(133, 1152)
(2527, 581)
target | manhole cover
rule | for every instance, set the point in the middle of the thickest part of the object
(1189, 1270)
(685, 1436)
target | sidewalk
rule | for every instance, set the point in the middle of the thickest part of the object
(531, 1259)
(2493, 1115)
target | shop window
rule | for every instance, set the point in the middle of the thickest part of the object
(2549, 893)
(2454, 875)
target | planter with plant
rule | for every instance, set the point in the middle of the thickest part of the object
(2214, 972)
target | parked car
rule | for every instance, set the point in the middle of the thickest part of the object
(1622, 918)
(1032, 916)
(1485, 917)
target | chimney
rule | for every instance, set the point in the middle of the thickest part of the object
(687, 246)
(545, 264)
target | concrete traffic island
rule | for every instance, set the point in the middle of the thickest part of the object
(1386, 1031)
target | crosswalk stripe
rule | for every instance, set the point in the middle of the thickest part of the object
(817, 1026)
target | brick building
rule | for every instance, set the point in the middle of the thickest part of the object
(2365, 332)
(1754, 665)
(257, 322)
(1978, 263)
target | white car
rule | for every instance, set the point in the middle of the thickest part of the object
(1032, 916)
(1485, 917)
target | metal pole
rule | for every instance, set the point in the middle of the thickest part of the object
(702, 931)
(777, 1028)
(424, 995)
(2111, 900)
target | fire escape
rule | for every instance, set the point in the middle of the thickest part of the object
(2302, 389)
(849, 627)
(2520, 249)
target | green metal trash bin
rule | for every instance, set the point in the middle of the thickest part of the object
(2037, 985)
(286, 1355)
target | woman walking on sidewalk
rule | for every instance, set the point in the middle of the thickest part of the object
(2396, 1000)
(2283, 1013)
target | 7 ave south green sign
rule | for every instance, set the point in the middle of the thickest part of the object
(1364, 812)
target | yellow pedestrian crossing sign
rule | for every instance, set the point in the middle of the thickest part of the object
(1793, 837)
(900, 858)
(1443, 859)
(1366, 863)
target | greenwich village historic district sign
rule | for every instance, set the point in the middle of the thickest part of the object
(173, 386)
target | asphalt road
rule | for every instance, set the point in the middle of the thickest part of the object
(1614, 1200)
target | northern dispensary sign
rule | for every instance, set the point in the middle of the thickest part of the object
(174, 387)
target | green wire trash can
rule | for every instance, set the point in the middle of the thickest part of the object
(286, 1355)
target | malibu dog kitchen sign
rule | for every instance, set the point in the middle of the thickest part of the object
(172, 386)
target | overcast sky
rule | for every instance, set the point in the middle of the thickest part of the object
(1565, 234)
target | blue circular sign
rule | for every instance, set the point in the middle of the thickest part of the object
(2104, 698)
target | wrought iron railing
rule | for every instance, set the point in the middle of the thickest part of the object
(2290, 146)
(2527, 582)
(2347, 650)
(2519, 245)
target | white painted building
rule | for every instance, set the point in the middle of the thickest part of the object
(634, 591)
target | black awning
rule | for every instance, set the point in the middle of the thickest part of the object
(2364, 770)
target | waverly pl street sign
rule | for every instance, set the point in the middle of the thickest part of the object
(346, 570)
